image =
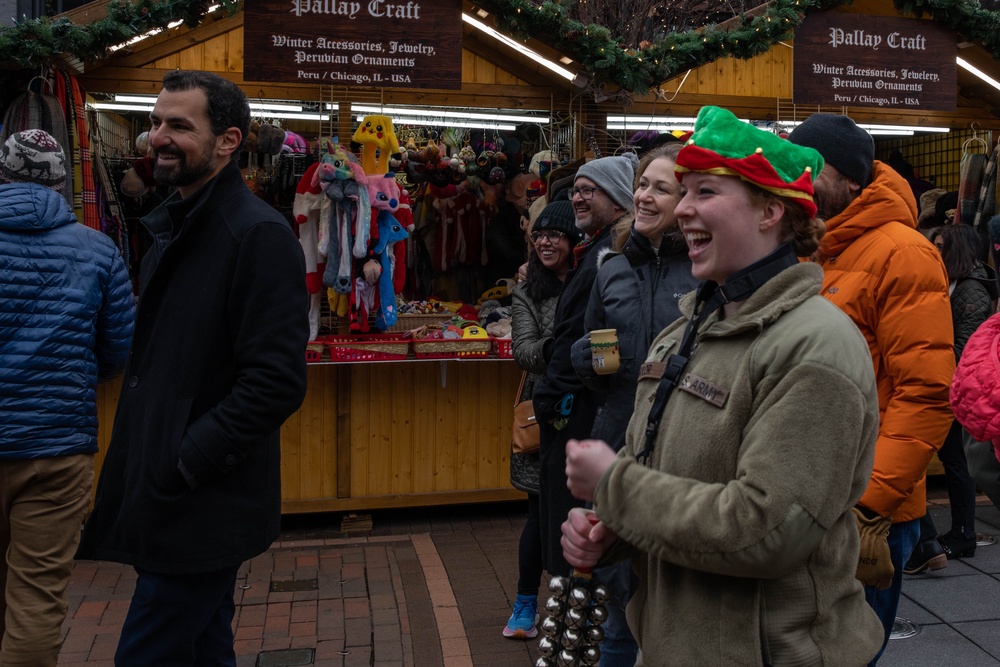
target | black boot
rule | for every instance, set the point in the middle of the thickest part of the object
(957, 545)
(927, 555)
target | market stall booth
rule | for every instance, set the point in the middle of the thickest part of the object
(384, 423)
(390, 426)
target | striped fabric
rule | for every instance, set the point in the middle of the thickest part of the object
(91, 216)
(31, 111)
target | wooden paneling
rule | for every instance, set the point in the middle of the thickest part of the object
(411, 435)
(766, 75)
(410, 440)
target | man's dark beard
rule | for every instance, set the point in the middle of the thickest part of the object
(832, 201)
(182, 174)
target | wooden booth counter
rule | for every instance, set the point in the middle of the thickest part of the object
(391, 434)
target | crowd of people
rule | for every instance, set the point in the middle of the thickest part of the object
(748, 480)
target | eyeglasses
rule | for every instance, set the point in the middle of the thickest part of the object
(551, 235)
(586, 194)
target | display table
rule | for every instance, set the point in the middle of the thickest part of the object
(380, 435)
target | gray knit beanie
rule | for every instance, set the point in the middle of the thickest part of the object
(841, 143)
(613, 175)
(33, 156)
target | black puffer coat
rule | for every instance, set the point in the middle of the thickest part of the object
(636, 293)
(971, 303)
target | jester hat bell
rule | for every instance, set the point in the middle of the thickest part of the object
(724, 145)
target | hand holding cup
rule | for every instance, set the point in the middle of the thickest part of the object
(604, 348)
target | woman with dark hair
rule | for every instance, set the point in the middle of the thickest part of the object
(533, 310)
(753, 434)
(973, 289)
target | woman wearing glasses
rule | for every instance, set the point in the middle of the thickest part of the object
(533, 309)
(636, 292)
(733, 495)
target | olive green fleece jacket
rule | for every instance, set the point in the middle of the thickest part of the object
(740, 527)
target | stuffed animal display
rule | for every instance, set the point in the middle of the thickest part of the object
(374, 283)
(378, 142)
(306, 210)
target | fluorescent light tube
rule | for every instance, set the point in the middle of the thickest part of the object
(520, 48)
(966, 65)
(113, 106)
(875, 128)
(443, 113)
(485, 125)
(139, 99)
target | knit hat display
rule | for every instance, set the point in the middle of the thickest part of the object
(841, 143)
(928, 207)
(613, 175)
(33, 156)
(559, 216)
(722, 144)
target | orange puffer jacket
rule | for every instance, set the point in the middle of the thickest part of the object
(891, 281)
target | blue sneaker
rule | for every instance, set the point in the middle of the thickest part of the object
(524, 619)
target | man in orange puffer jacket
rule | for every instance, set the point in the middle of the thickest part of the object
(890, 280)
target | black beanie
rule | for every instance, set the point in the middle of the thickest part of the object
(841, 142)
(559, 215)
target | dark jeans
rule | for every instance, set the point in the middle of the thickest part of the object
(902, 538)
(961, 488)
(180, 620)
(619, 648)
(529, 555)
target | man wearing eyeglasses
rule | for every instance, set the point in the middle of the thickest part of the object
(601, 195)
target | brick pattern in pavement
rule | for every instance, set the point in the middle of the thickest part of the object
(414, 592)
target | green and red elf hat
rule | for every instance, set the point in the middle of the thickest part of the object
(724, 145)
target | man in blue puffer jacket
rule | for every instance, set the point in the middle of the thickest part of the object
(66, 317)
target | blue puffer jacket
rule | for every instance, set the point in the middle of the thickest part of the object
(66, 317)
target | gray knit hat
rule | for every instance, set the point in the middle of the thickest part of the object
(841, 143)
(33, 156)
(613, 175)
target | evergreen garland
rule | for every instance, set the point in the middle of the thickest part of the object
(32, 43)
(637, 70)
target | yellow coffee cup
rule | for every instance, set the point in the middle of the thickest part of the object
(604, 351)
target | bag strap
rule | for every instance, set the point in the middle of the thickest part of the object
(520, 388)
(711, 296)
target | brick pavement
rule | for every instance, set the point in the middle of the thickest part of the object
(432, 587)
(425, 587)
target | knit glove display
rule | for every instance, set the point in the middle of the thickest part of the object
(874, 562)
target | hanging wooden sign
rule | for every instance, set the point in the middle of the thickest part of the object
(376, 43)
(856, 60)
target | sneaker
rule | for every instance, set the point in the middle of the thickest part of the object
(524, 619)
(928, 555)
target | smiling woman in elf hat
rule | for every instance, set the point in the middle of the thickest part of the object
(753, 432)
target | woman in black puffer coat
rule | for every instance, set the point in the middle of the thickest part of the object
(973, 288)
